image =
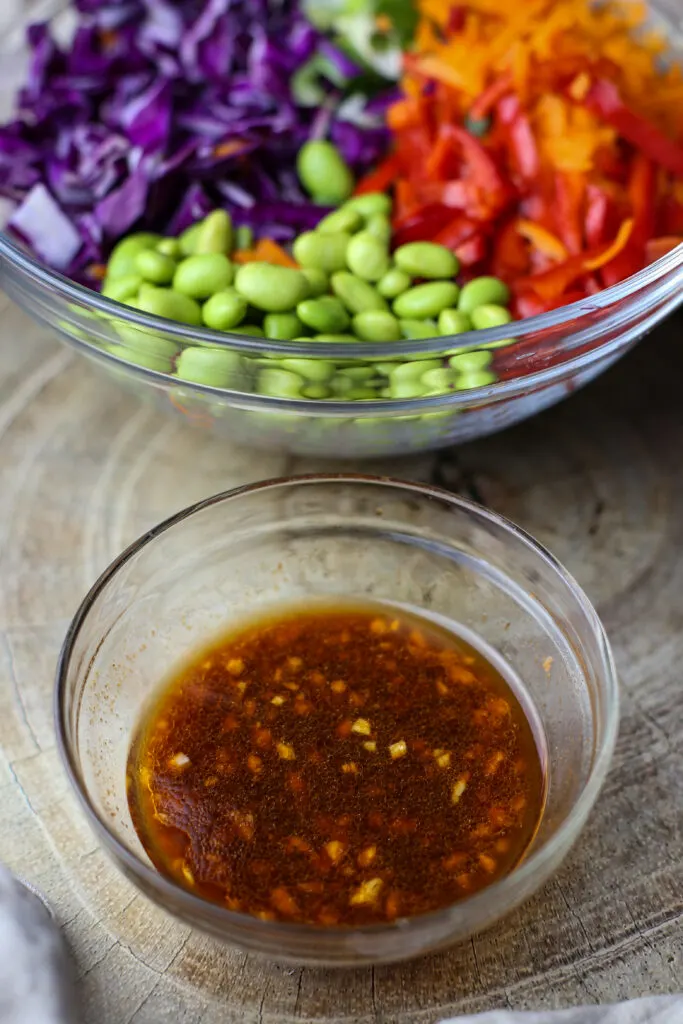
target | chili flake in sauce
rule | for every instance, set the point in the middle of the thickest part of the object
(343, 766)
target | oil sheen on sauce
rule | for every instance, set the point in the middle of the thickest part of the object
(341, 765)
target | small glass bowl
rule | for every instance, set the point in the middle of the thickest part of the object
(235, 554)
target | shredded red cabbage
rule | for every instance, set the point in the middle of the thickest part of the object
(161, 110)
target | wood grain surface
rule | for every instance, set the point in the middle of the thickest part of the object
(84, 469)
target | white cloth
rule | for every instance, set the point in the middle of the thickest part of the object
(35, 970)
(652, 1010)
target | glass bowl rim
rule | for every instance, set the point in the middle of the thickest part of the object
(664, 277)
(531, 865)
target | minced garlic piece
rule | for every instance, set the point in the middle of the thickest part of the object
(370, 745)
(488, 863)
(367, 892)
(362, 727)
(366, 856)
(351, 768)
(458, 790)
(235, 666)
(285, 751)
(278, 700)
(335, 850)
(398, 749)
(179, 761)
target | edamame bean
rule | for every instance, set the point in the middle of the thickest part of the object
(393, 283)
(379, 226)
(439, 380)
(318, 391)
(271, 288)
(122, 288)
(370, 203)
(145, 341)
(361, 394)
(376, 325)
(345, 219)
(386, 368)
(481, 292)
(340, 385)
(326, 314)
(503, 343)
(318, 281)
(469, 362)
(244, 237)
(122, 259)
(203, 274)
(155, 267)
(170, 247)
(218, 368)
(358, 373)
(357, 295)
(490, 315)
(323, 172)
(188, 239)
(407, 389)
(224, 310)
(426, 300)
(331, 339)
(454, 321)
(414, 370)
(321, 250)
(426, 259)
(367, 257)
(150, 361)
(475, 379)
(215, 233)
(282, 326)
(316, 370)
(252, 330)
(170, 304)
(416, 329)
(279, 383)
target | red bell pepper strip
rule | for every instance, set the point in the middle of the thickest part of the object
(605, 100)
(670, 217)
(472, 251)
(570, 190)
(641, 192)
(480, 164)
(458, 195)
(381, 177)
(421, 225)
(487, 100)
(510, 253)
(553, 283)
(597, 211)
(443, 161)
(406, 201)
(517, 129)
(458, 230)
(658, 247)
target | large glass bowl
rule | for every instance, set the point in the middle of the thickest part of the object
(232, 556)
(553, 355)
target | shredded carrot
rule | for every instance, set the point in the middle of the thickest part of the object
(544, 240)
(265, 251)
(623, 235)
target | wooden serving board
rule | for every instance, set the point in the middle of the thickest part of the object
(84, 469)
